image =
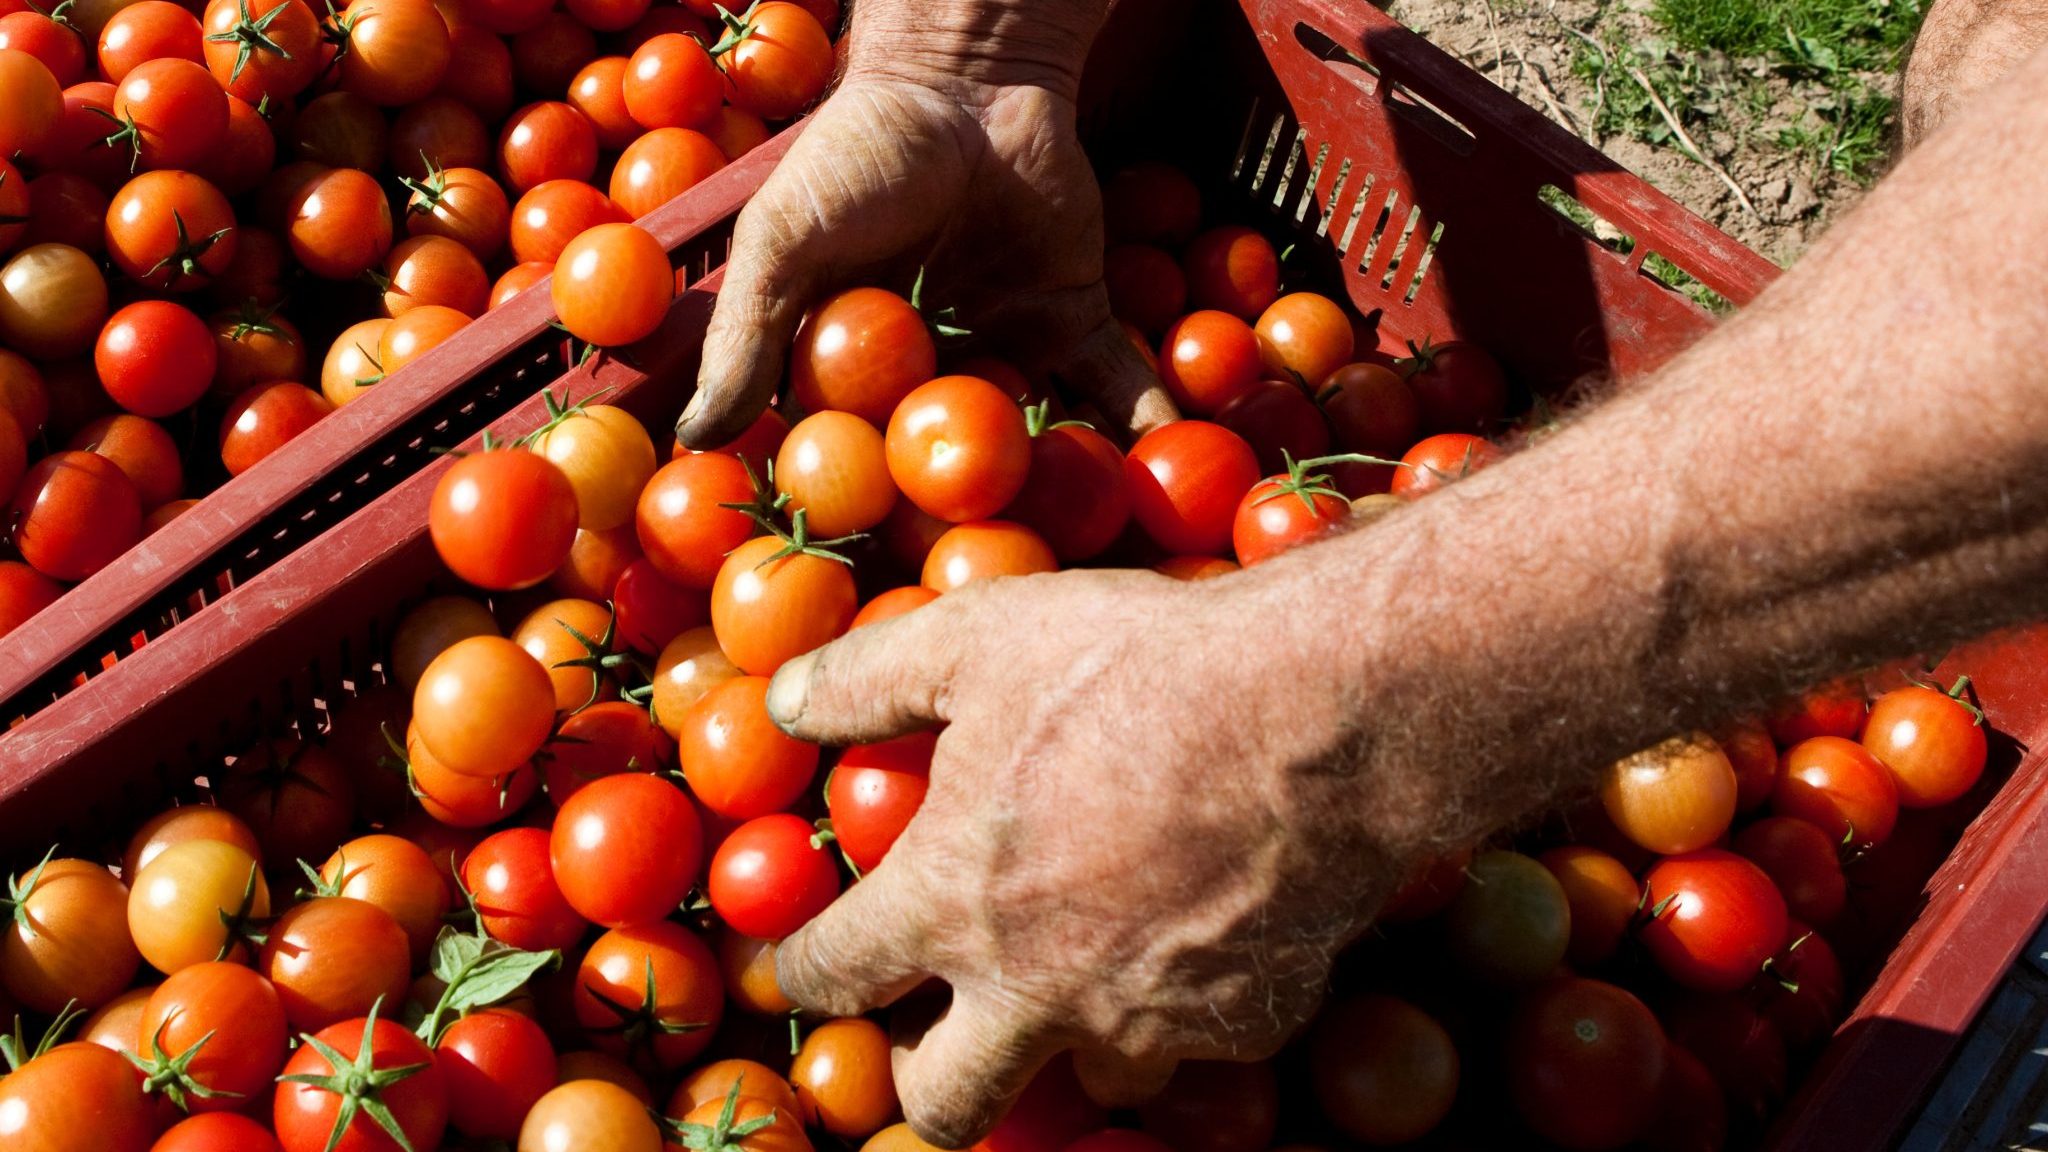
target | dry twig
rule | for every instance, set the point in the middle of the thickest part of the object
(1685, 142)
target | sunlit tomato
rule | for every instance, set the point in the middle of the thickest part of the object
(555, 212)
(781, 63)
(768, 878)
(780, 1130)
(658, 976)
(54, 41)
(393, 874)
(833, 466)
(682, 524)
(1512, 923)
(748, 966)
(517, 279)
(1439, 460)
(465, 205)
(843, 1080)
(150, 30)
(1279, 513)
(1742, 1049)
(546, 57)
(595, 562)
(181, 904)
(68, 939)
(76, 1098)
(662, 165)
(34, 102)
(626, 849)
(277, 194)
(613, 285)
(598, 93)
(216, 1132)
(484, 707)
(497, 1065)
(873, 792)
(1801, 861)
(546, 141)
(143, 451)
(229, 1025)
(1675, 797)
(434, 270)
(75, 142)
(1305, 337)
(261, 420)
(608, 458)
(1585, 1061)
(416, 1100)
(61, 208)
(1232, 269)
(736, 132)
(1186, 480)
(981, 549)
(394, 51)
(604, 740)
(737, 762)
(431, 628)
(438, 133)
(713, 1082)
(1208, 359)
(1714, 919)
(339, 130)
(1932, 741)
(591, 1114)
(958, 448)
(670, 82)
(690, 665)
(177, 825)
(1383, 1070)
(503, 519)
(861, 351)
(1146, 288)
(1804, 1000)
(1755, 759)
(52, 301)
(1839, 787)
(155, 358)
(258, 49)
(340, 224)
(172, 115)
(332, 958)
(768, 608)
(1833, 709)
(517, 899)
(74, 513)
(420, 330)
(23, 593)
(653, 610)
(254, 347)
(891, 604)
(1603, 898)
(1457, 386)
(557, 634)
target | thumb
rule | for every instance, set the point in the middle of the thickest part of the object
(1105, 367)
(772, 272)
(1115, 1080)
(875, 682)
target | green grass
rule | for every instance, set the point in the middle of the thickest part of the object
(1850, 133)
(1654, 264)
(1820, 36)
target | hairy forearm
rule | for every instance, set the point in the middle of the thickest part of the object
(1965, 46)
(997, 42)
(1855, 468)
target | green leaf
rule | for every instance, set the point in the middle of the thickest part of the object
(502, 972)
(454, 953)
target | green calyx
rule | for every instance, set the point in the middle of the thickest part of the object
(943, 322)
(241, 926)
(638, 1026)
(359, 1083)
(19, 890)
(736, 30)
(171, 1075)
(722, 1134)
(14, 1047)
(1301, 482)
(186, 255)
(249, 35)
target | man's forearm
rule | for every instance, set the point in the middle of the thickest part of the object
(999, 42)
(1964, 47)
(1855, 468)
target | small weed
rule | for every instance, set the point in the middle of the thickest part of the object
(1811, 36)
(1848, 132)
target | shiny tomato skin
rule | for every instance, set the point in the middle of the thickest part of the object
(874, 791)
(653, 610)
(216, 1132)
(767, 880)
(35, 100)
(1383, 1070)
(339, 224)
(262, 419)
(1279, 421)
(554, 212)
(145, 453)
(179, 112)
(52, 302)
(396, 875)
(683, 527)
(891, 604)
(613, 285)
(1232, 269)
(503, 519)
(1208, 359)
(23, 593)
(1932, 743)
(861, 351)
(497, 1065)
(611, 988)
(981, 549)
(1839, 787)
(74, 513)
(77, 1097)
(1458, 387)
(781, 65)
(625, 849)
(517, 279)
(332, 958)
(1586, 1059)
(70, 940)
(711, 1083)
(598, 93)
(1833, 709)
(155, 358)
(1715, 917)
(516, 895)
(958, 447)
(149, 30)
(605, 739)
(736, 761)
(590, 1114)
(251, 349)
(1675, 797)
(670, 82)
(1801, 860)
(57, 45)
(765, 611)
(689, 666)
(1439, 460)
(177, 906)
(398, 50)
(234, 1018)
(465, 205)
(834, 467)
(1304, 337)
(548, 140)
(484, 707)
(434, 270)
(662, 165)
(843, 1079)
(277, 75)
(1270, 519)
(304, 1114)
(1074, 493)
(1186, 480)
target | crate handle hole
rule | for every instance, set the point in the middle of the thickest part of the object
(1585, 221)
(1354, 69)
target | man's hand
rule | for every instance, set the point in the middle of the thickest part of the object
(960, 157)
(1143, 883)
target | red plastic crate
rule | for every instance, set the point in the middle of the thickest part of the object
(1428, 194)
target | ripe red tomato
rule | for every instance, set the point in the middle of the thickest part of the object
(1280, 422)
(1074, 494)
(61, 208)
(981, 549)
(339, 224)
(1458, 387)
(396, 875)
(251, 347)
(1692, 1113)
(834, 467)
(56, 44)
(1439, 460)
(155, 358)
(1932, 742)
(394, 51)
(1804, 1002)
(653, 610)
(262, 419)
(671, 83)
(1282, 511)
(321, 1078)
(34, 102)
(1755, 759)
(552, 213)
(660, 166)
(1151, 203)
(1304, 337)
(503, 519)
(1742, 1049)
(598, 91)
(958, 448)
(259, 49)
(653, 994)
(844, 1083)
(861, 351)
(23, 593)
(484, 707)
(681, 520)
(547, 56)
(228, 1022)
(1833, 709)
(463, 204)
(1186, 480)
(613, 285)
(1839, 787)
(768, 879)
(1585, 1061)
(768, 608)
(77, 1097)
(874, 791)
(546, 141)
(438, 133)
(333, 959)
(781, 61)
(150, 30)
(517, 279)
(143, 451)
(517, 899)
(605, 739)
(1146, 288)
(736, 761)
(173, 115)
(1714, 919)
(171, 230)
(339, 130)
(1800, 859)
(1382, 1069)
(625, 849)
(69, 940)
(420, 330)
(497, 1065)
(1232, 269)
(216, 1132)
(73, 514)
(434, 270)
(1208, 359)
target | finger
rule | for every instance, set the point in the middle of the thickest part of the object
(959, 1077)
(875, 682)
(772, 272)
(863, 951)
(1105, 368)
(1115, 1080)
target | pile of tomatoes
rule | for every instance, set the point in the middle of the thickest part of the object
(220, 221)
(527, 886)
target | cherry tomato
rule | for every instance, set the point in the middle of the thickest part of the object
(23, 593)
(1074, 494)
(736, 761)
(1151, 203)
(297, 797)
(340, 130)
(1755, 759)
(1603, 898)
(608, 458)
(660, 19)
(252, 347)
(1738, 1045)
(1692, 1114)
(396, 875)
(1429, 888)
(76, 1098)
(22, 393)
(247, 153)
(143, 451)
(1232, 269)
(431, 628)
(517, 899)
(434, 270)
(861, 351)
(61, 208)
(1457, 386)
(464, 204)
(711, 1083)
(68, 939)
(546, 141)
(416, 1100)
(216, 1132)
(736, 132)
(748, 966)
(55, 43)
(1208, 359)
(340, 223)
(1280, 422)
(767, 879)
(546, 57)
(1439, 460)
(155, 358)
(258, 49)
(662, 165)
(1382, 1069)
(598, 92)
(517, 279)
(1714, 919)
(1304, 337)
(557, 634)
(1186, 480)
(602, 740)
(1834, 709)
(74, 513)
(690, 665)
(255, 276)
(508, 17)
(590, 1114)
(653, 610)
(333, 958)
(626, 849)
(497, 1065)
(229, 1025)
(682, 523)
(1805, 1000)
(1801, 861)
(503, 519)
(1146, 288)
(874, 791)
(173, 115)
(595, 562)
(34, 102)
(262, 419)
(613, 285)
(396, 51)
(1839, 787)
(182, 902)
(52, 301)
(419, 331)
(781, 63)
(1585, 1061)
(891, 604)
(1675, 797)
(1511, 924)
(1932, 742)
(768, 608)
(982, 549)
(438, 133)
(1279, 513)
(554, 212)
(150, 30)
(843, 1080)
(484, 707)
(834, 467)
(958, 448)
(670, 82)
(656, 976)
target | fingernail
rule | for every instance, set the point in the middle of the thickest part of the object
(789, 690)
(690, 410)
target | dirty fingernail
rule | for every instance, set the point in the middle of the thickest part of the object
(789, 690)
